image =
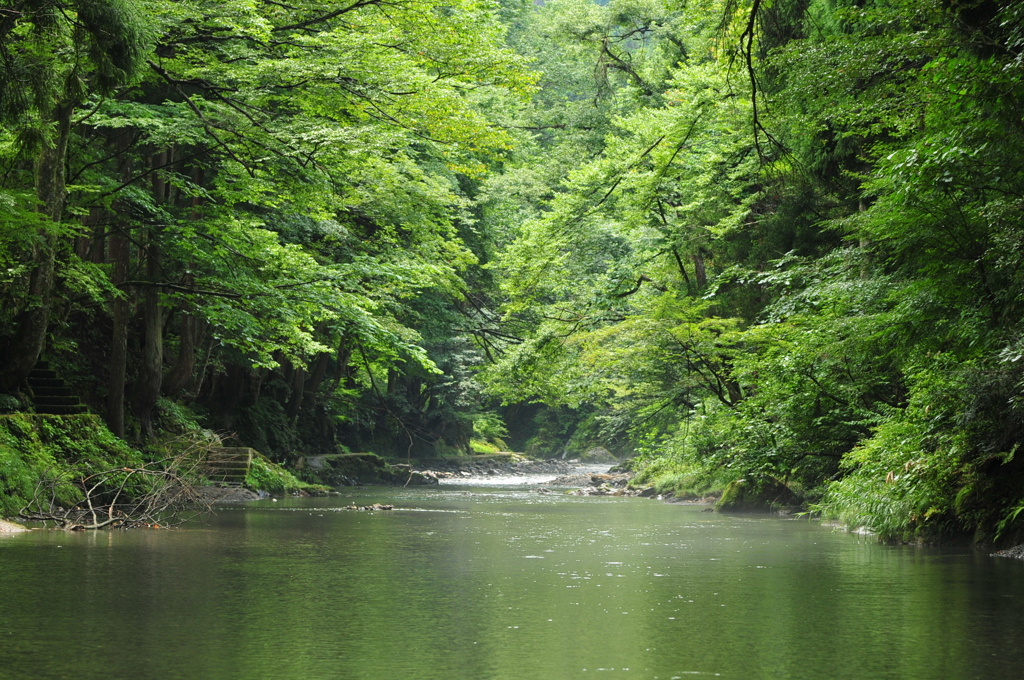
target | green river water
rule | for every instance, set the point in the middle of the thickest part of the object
(500, 583)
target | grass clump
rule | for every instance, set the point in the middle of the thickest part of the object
(479, 446)
(893, 489)
(681, 479)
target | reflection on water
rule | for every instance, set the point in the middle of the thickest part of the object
(491, 582)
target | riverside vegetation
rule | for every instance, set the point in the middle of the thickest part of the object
(770, 249)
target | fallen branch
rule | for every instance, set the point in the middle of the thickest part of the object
(154, 495)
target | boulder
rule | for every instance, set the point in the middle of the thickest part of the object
(10, 527)
(766, 494)
(598, 454)
(346, 469)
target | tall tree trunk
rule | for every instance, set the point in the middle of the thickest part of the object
(682, 270)
(146, 390)
(119, 253)
(159, 160)
(30, 335)
(735, 391)
(180, 375)
(287, 369)
(119, 246)
(699, 269)
(203, 335)
(311, 379)
(151, 372)
(341, 370)
(98, 219)
(318, 373)
(415, 394)
(298, 384)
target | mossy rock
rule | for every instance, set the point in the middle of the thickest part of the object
(342, 469)
(361, 467)
(757, 495)
(598, 454)
(480, 446)
(265, 475)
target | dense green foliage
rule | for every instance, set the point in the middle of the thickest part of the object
(41, 447)
(777, 242)
(791, 256)
(256, 220)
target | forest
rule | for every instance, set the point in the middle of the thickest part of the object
(757, 247)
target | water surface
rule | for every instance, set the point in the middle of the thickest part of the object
(500, 583)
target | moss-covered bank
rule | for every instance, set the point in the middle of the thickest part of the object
(34, 446)
(766, 494)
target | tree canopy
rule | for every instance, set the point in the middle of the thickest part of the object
(727, 239)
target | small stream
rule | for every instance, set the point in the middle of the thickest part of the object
(495, 580)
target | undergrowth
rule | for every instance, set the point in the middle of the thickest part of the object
(34, 447)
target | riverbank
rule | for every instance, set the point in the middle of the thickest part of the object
(35, 447)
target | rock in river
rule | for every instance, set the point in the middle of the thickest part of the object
(10, 527)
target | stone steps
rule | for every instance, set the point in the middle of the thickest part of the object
(50, 394)
(227, 465)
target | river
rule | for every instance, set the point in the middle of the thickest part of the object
(500, 582)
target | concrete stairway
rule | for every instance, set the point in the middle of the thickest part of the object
(228, 465)
(50, 394)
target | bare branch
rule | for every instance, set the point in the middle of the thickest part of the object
(153, 495)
